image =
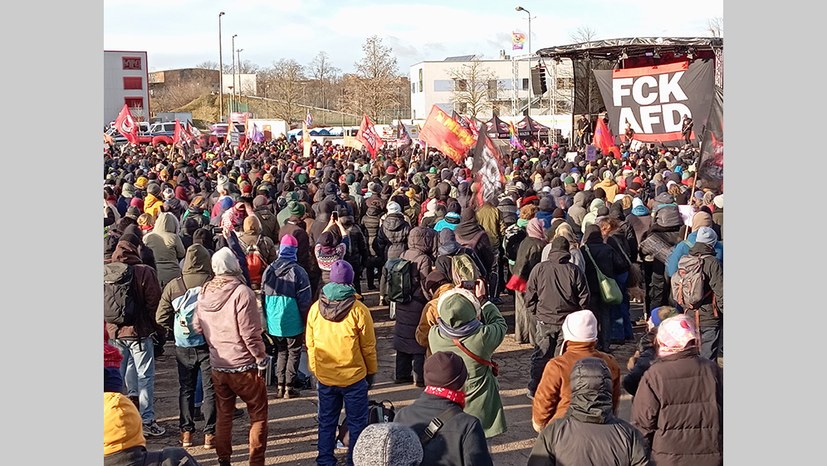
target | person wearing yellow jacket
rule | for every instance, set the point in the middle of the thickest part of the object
(153, 200)
(341, 354)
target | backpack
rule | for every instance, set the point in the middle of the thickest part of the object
(184, 306)
(463, 269)
(118, 301)
(688, 282)
(255, 263)
(400, 280)
(378, 411)
(514, 235)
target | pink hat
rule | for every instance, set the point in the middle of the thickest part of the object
(675, 334)
(289, 240)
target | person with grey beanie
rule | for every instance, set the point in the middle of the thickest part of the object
(387, 444)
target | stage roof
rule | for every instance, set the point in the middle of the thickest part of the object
(611, 49)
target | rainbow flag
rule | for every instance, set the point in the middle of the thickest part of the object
(513, 139)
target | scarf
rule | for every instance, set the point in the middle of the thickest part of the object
(459, 332)
(522, 222)
(448, 394)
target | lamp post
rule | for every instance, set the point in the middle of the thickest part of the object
(232, 99)
(220, 73)
(238, 89)
(519, 8)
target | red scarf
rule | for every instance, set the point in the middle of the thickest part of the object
(447, 393)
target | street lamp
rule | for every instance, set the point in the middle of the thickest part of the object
(220, 73)
(239, 73)
(232, 105)
(519, 8)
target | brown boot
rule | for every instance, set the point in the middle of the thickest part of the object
(186, 439)
(209, 441)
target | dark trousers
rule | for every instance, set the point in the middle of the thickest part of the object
(357, 278)
(494, 276)
(371, 270)
(407, 362)
(250, 387)
(191, 362)
(548, 340)
(710, 342)
(288, 355)
(355, 400)
(658, 292)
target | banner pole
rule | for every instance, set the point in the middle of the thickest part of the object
(692, 191)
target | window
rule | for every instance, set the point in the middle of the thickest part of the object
(413, 88)
(131, 63)
(133, 82)
(134, 102)
(492, 89)
(524, 84)
(443, 85)
(420, 80)
(504, 84)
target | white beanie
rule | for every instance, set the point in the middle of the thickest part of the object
(224, 262)
(580, 326)
(718, 201)
(394, 207)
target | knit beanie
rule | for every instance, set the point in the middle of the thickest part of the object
(387, 444)
(341, 272)
(580, 326)
(675, 334)
(168, 194)
(701, 219)
(706, 235)
(154, 189)
(445, 369)
(718, 201)
(122, 426)
(127, 190)
(394, 207)
(289, 240)
(295, 208)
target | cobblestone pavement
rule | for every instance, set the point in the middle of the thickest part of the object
(292, 426)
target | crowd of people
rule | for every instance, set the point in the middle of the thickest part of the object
(252, 259)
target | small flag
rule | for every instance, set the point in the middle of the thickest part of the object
(308, 120)
(177, 134)
(368, 136)
(604, 139)
(513, 138)
(126, 125)
(517, 40)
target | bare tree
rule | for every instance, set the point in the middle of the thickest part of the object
(715, 26)
(375, 91)
(583, 34)
(471, 87)
(208, 65)
(324, 73)
(247, 67)
(287, 86)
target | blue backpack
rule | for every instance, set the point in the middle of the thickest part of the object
(184, 306)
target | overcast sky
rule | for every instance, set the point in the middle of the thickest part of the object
(184, 33)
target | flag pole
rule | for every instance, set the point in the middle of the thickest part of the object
(692, 191)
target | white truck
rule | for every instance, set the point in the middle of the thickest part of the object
(271, 129)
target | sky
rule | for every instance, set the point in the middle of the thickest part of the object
(184, 33)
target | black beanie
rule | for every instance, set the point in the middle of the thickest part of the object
(445, 369)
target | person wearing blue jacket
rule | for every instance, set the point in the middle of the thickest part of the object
(285, 299)
(700, 219)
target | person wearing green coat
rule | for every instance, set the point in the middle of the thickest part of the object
(480, 329)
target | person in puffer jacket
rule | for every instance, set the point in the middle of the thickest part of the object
(286, 297)
(341, 353)
(590, 433)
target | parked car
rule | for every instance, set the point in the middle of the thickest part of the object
(218, 132)
(118, 138)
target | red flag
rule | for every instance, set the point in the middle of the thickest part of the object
(176, 134)
(126, 125)
(604, 139)
(367, 135)
(447, 135)
(488, 168)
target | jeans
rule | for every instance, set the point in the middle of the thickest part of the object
(621, 318)
(548, 342)
(355, 399)
(710, 342)
(407, 362)
(192, 362)
(494, 275)
(658, 291)
(138, 372)
(287, 359)
(249, 386)
(199, 390)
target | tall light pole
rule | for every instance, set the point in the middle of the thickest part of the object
(232, 104)
(519, 8)
(220, 73)
(239, 72)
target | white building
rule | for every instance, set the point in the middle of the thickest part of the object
(434, 83)
(244, 84)
(125, 81)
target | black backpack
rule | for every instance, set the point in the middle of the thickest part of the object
(400, 280)
(118, 301)
(514, 235)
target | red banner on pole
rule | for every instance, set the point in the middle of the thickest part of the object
(368, 136)
(447, 135)
(126, 125)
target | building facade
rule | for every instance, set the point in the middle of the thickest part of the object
(505, 81)
(125, 81)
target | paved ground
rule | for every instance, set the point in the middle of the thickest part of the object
(292, 427)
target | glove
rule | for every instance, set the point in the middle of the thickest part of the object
(369, 380)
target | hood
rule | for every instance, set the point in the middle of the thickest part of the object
(166, 222)
(579, 197)
(215, 293)
(127, 253)
(394, 222)
(421, 239)
(591, 391)
(596, 205)
(559, 257)
(336, 301)
(197, 261)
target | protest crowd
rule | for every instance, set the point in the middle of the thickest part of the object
(248, 266)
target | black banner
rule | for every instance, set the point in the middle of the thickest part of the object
(711, 166)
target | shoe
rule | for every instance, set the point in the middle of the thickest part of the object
(224, 463)
(198, 416)
(280, 392)
(496, 300)
(381, 301)
(420, 384)
(530, 396)
(209, 441)
(403, 380)
(372, 287)
(238, 413)
(153, 430)
(186, 439)
(291, 393)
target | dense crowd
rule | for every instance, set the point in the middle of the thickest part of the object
(252, 260)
